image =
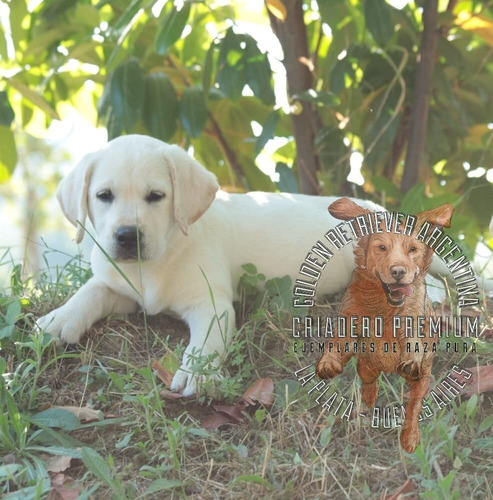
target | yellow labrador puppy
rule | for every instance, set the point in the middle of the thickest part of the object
(159, 215)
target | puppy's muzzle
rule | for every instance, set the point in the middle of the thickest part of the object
(129, 242)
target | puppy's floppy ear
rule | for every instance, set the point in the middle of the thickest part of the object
(194, 187)
(346, 209)
(440, 216)
(72, 193)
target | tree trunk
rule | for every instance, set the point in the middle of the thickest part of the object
(292, 35)
(421, 103)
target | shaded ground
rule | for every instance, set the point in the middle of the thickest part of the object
(293, 450)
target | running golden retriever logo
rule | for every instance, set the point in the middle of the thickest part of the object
(388, 284)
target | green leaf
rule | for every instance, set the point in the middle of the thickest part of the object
(18, 11)
(33, 97)
(232, 72)
(7, 471)
(471, 405)
(478, 192)
(258, 72)
(97, 466)
(127, 16)
(193, 111)
(280, 293)
(384, 185)
(267, 131)
(170, 362)
(412, 202)
(127, 40)
(485, 424)
(162, 485)
(377, 72)
(252, 478)
(57, 450)
(288, 183)
(87, 15)
(338, 74)
(171, 28)
(160, 109)
(113, 126)
(378, 17)
(6, 331)
(57, 417)
(8, 153)
(325, 436)
(54, 10)
(249, 268)
(232, 80)
(13, 312)
(6, 112)
(208, 69)
(127, 93)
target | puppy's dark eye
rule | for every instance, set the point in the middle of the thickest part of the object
(106, 196)
(154, 196)
(412, 249)
(382, 247)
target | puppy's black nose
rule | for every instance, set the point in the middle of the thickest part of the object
(397, 272)
(126, 236)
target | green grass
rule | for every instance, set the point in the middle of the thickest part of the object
(145, 446)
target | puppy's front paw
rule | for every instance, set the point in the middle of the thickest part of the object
(188, 382)
(410, 370)
(58, 323)
(328, 367)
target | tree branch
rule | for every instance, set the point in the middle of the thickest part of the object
(292, 35)
(421, 103)
(230, 155)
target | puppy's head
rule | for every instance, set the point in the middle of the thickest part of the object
(395, 260)
(136, 191)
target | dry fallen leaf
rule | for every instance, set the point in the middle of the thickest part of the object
(235, 412)
(216, 420)
(262, 391)
(486, 334)
(167, 394)
(164, 375)
(405, 492)
(58, 463)
(480, 381)
(63, 488)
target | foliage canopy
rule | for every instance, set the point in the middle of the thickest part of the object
(193, 73)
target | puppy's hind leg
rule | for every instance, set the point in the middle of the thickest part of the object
(369, 381)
